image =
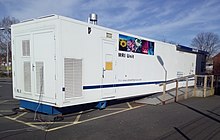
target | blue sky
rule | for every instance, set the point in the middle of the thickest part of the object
(171, 20)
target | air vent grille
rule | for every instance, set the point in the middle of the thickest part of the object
(26, 47)
(40, 77)
(73, 77)
(27, 76)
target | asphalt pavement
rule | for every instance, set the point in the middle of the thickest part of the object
(191, 119)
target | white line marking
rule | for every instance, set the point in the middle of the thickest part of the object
(77, 118)
(129, 105)
(34, 126)
(20, 115)
(91, 119)
(5, 111)
(4, 101)
(9, 103)
(113, 109)
(31, 124)
(5, 83)
(48, 123)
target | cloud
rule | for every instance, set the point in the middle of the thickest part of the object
(199, 17)
(175, 20)
(32, 9)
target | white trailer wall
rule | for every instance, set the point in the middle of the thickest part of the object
(77, 43)
(75, 70)
(33, 53)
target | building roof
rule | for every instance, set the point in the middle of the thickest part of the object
(217, 55)
(190, 50)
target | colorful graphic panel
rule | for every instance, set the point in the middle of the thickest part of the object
(136, 45)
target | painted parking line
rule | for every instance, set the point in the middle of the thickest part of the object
(22, 114)
(22, 122)
(6, 101)
(129, 105)
(77, 118)
(5, 83)
(2, 102)
(114, 109)
(95, 118)
(110, 114)
(67, 124)
(5, 111)
(51, 122)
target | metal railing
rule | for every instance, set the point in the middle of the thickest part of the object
(206, 82)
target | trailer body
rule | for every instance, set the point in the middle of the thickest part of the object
(61, 62)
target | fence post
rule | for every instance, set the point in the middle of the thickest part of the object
(205, 86)
(176, 96)
(212, 87)
(195, 86)
(186, 91)
(164, 92)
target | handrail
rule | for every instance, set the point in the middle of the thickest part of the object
(205, 84)
(176, 80)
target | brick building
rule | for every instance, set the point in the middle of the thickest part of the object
(216, 64)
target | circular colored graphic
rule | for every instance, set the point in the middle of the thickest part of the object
(138, 42)
(123, 43)
(130, 44)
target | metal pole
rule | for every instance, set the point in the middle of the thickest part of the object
(186, 91)
(205, 86)
(7, 61)
(164, 92)
(176, 95)
(212, 85)
(165, 75)
(195, 86)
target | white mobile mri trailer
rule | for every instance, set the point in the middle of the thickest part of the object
(60, 62)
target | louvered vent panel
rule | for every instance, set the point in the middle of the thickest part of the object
(73, 77)
(27, 76)
(77, 74)
(26, 47)
(40, 77)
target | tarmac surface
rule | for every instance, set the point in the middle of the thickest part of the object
(191, 119)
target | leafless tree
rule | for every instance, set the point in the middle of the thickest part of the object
(5, 36)
(207, 41)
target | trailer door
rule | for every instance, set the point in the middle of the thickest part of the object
(108, 90)
(22, 66)
(34, 66)
(44, 65)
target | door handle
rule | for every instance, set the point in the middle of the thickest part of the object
(103, 73)
(33, 67)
